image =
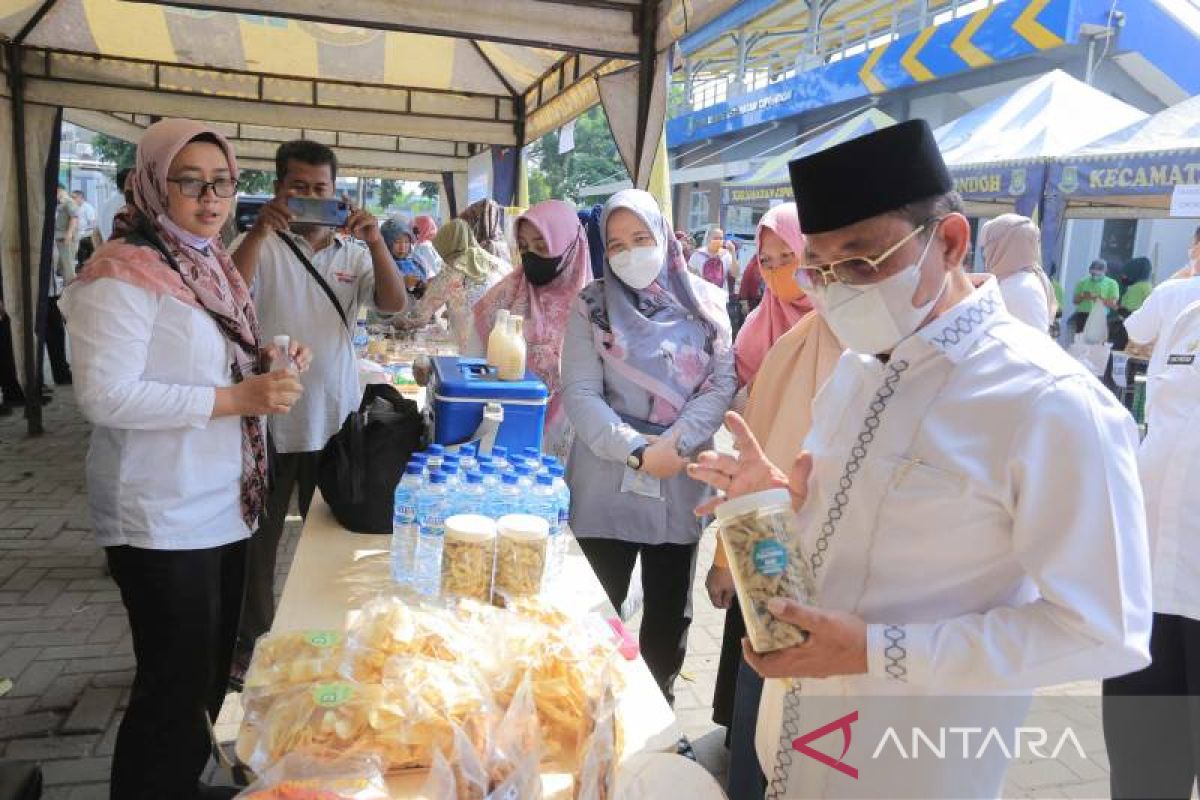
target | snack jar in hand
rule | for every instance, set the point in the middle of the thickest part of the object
(758, 532)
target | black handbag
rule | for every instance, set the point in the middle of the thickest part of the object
(361, 464)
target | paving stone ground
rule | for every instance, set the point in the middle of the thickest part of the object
(64, 639)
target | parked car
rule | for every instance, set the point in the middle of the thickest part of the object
(247, 210)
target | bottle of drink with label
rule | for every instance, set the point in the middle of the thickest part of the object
(524, 474)
(404, 522)
(431, 514)
(491, 479)
(467, 457)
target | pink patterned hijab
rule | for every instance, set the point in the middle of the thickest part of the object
(773, 317)
(664, 338)
(202, 276)
(545, 308)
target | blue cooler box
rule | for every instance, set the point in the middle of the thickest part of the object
(460, 389)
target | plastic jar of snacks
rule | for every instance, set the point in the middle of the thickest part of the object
(468, 557)
(521, 555)
(758, 532)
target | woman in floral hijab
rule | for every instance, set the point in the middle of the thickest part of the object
(170, 372)
(647, 375)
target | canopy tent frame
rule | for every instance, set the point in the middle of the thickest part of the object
(500, 102)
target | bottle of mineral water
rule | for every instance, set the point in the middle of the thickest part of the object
(467, 457)
(433, 457)
(510, 498)
(491, 479)
(524, 474)
(548, 462)
(431, 514)
(544, 504)
(471, 496)
(561, 543)
(361, 338)
(453, 480)
(404, 522)
(532, 454)
(500, 458)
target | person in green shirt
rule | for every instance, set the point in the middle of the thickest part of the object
(1096, 286)
(1137, 273)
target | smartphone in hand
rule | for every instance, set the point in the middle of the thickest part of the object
(329, 211)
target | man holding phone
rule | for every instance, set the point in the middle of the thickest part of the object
(312, 262)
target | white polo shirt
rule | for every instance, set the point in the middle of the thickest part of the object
(290, 301)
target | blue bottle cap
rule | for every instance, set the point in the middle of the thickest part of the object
(557, 471)
(414, 469)
(438, 478)
(470, 449)
(484, 459)
(510, 479)
(549, 461)
(435, 450)
(449, 470)
(450, 458)
(499, 451)
(487, 469)
(523, 470)
(545, 480)
(474, 477)
(532, 452)
(420, 458)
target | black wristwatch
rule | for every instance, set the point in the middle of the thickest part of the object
(634, 461)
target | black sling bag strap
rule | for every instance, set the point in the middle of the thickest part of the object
(341, 312)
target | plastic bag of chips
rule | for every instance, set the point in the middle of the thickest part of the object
(300, 777)
(283, 661)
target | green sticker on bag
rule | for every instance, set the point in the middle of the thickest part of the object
(324, 638)
(331, 695)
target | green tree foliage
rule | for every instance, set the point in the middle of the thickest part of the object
(255, 181)
(594, 160)
(114, 150)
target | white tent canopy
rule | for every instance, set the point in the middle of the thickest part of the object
(399, 87)
(1046, 118)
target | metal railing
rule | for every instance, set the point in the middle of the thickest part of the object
(845, 30)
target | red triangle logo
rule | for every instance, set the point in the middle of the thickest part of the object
(800, 745)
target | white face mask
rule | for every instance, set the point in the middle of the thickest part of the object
(874, 319)
(637, 267)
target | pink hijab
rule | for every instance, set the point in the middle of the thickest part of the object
(424, 227)
(202, 276)
(773, 317)
(545, 308)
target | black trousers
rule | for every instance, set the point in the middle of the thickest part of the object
(10, 384)
(1078, 320)
(667, 572)
(56, 344)
(289, 471)
(183, 610)
(1152, 717)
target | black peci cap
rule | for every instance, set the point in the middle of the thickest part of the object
(868, 176)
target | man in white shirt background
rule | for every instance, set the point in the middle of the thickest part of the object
(968, 499)
(1152, 717)
(291, 300)
(88, 231)
(1147, 325)
(66, 238)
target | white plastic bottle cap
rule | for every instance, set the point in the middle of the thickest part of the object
(470, 528)
(525, 527)
(753, 502)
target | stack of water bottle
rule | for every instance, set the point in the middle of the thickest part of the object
(505, 489)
